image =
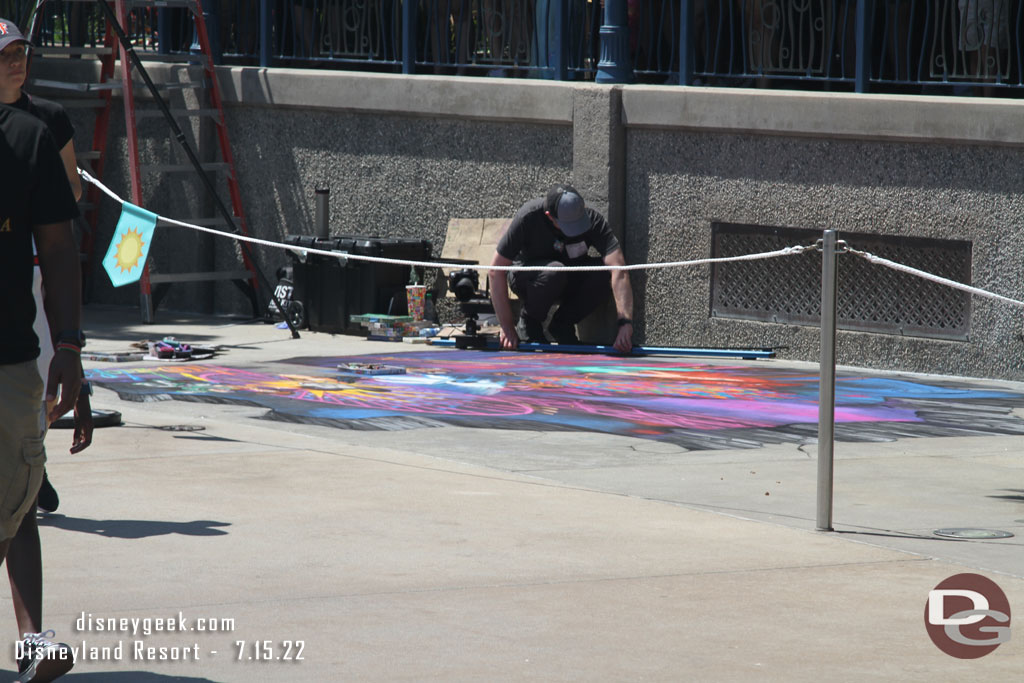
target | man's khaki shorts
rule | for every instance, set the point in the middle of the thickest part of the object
(22, 455)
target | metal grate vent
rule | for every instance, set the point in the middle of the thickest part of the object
(871, 298)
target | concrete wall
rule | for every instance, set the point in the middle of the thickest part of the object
(911, 166)
(403, 155)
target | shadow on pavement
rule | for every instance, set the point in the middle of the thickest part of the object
(204, 437)
(923, 537)
(1013, 495)
(116, 677)
(133, 528)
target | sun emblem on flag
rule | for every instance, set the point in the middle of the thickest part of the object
(129, 250)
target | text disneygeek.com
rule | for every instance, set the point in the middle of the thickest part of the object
(147, 626)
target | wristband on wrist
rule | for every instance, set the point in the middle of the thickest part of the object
(67, 346)
(624, 321)
(76, 337)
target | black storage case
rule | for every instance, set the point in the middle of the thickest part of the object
(333, 290)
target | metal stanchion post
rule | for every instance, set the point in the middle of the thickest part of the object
(827, 382)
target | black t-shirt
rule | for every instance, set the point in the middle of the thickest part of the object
(50, 113)
(34, 190)
(531, 237)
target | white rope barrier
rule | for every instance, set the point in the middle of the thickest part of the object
(878, 260)
(787, 251)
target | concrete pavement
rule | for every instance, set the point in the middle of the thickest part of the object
(459, 554)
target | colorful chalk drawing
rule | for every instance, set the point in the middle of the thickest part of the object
(695, 405)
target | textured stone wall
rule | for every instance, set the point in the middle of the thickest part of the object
(684, 181)
(389, 176)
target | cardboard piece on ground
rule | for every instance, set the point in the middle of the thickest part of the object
(449, 331)
(491, 234)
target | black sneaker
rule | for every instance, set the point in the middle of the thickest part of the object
(564, 333)
(48, 500)
(530, 330)
(41, 660)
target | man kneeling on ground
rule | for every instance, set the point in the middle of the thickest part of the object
(559, 230)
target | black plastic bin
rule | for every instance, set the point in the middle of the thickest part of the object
(332, 290)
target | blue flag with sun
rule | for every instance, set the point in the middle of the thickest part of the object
(126, 255)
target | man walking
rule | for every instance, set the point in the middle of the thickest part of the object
(35, 202)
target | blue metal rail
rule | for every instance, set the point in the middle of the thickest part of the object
(494, 345)
(931, 46)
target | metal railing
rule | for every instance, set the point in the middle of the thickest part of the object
(954, 46)
(872, 44)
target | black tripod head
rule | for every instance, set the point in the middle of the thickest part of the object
(465, 285)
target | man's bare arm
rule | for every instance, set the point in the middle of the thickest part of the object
(67, 155)
(62, 285)
(622, 291)
(502, 305)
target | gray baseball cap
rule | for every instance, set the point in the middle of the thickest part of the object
(9, 33)
(566, 205)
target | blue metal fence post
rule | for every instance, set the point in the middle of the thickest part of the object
(561, 36)
(266, 31)
(409, 36)
(863, 66)
(686, 44)
(163, 30)
(614, 66)
(211, 15)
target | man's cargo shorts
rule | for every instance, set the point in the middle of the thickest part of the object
(21, 443)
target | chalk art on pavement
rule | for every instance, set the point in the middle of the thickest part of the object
(695, 405)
